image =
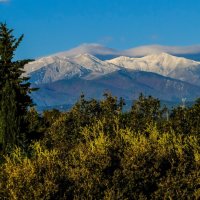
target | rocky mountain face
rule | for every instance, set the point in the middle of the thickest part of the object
(63, 78)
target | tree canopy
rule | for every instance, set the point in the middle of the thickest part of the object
(14, 90)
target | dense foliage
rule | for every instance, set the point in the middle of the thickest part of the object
(96, 150)
(14, 90)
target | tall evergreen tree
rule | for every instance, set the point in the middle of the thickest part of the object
(9, 121)
(14, 90)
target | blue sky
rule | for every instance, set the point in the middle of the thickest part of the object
(56, 25)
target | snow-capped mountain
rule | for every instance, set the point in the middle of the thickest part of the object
(164, 64)
(54, 68)
(62, 79)
(51, 69)
(97, 66)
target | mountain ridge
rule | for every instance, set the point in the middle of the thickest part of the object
(62, 79)
(162, 63)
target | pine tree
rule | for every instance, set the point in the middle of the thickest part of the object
(10, 122)
(14, 90)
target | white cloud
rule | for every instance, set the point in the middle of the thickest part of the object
(153, 49)
(2, 1)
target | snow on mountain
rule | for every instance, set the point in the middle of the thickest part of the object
(50, 69)
(62, 79)
(53, 68)
(164, 64)
(42, 62)
(94, 64)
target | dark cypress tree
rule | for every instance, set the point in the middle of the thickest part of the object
(14, 90)
(9, 121)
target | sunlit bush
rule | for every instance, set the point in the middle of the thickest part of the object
(104, 163)
(37, 177)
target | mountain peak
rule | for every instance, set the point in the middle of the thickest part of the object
(164, 64)
(88, 48)
(164, 54)
(93, 63)
(161, 57)
(85, 72)
(85, 59)
(166, 59)
(85, 55)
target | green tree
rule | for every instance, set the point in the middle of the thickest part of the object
(194, 117)
(14, 89)
(180, 120)
(145, 111)
(36, 126)
(9, 121)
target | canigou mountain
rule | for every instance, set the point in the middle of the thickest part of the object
(64, 76)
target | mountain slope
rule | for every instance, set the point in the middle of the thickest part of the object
(97, 66)
(163, 64)
(61, 80)
(53, 69)
(123, 83)
(56, 68)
